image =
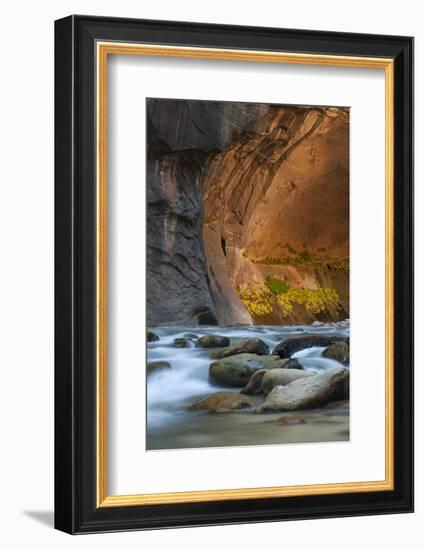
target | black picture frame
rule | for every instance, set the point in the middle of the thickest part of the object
(76, 510)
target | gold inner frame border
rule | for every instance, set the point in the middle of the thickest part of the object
(103, 50)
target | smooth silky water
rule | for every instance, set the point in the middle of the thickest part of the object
(169, 394)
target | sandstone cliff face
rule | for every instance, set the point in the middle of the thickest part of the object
(278, 193)
(238, 193)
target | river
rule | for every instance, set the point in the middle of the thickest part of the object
(169, 393)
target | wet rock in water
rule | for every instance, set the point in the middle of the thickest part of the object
(258, 361)
(181, 343)
(157, 366)
(152, 337)
(291, 420)
(281, 377)
(308, 392)
(228, 372)
(248, 345)
(298, 343)
(345, 404)
(213, 341)
(236, 370)
(339, 351)
(292, 364)
(224, 402)
(254, 386)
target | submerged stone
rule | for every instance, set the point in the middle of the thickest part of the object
(224, 402)
(291, 420)
(181, 343)
(157, 366)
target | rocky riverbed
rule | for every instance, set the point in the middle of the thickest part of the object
(211, 386)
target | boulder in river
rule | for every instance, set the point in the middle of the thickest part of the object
(181, 343)
(297, 343)
(213, 341)
(258, 361)
(248, 345)
(224, 402)
(236, 370)
(230, 373)
(281, 377)
(152, 337)
(339, 351)
(157, 366)
(308, 392)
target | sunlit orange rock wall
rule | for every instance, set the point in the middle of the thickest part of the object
(284, 183)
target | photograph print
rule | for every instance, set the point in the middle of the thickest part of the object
(247, 274)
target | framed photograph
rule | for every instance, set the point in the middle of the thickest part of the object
(234, 274)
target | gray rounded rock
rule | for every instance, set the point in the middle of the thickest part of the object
(236, 370)
(281, 377)
(213, 341)
(339, 351)
(230, 373)
(308, 392)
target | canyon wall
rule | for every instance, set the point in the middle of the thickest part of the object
(183, 137)
(240, 196)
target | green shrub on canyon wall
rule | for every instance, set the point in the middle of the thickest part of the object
(277, 286)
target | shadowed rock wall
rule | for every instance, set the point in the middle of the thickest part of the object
(182, 139)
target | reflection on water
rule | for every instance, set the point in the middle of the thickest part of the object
(169, 394)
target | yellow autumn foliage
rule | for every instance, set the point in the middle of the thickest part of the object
(259, 300)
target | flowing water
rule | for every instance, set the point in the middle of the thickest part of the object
(169, 393)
